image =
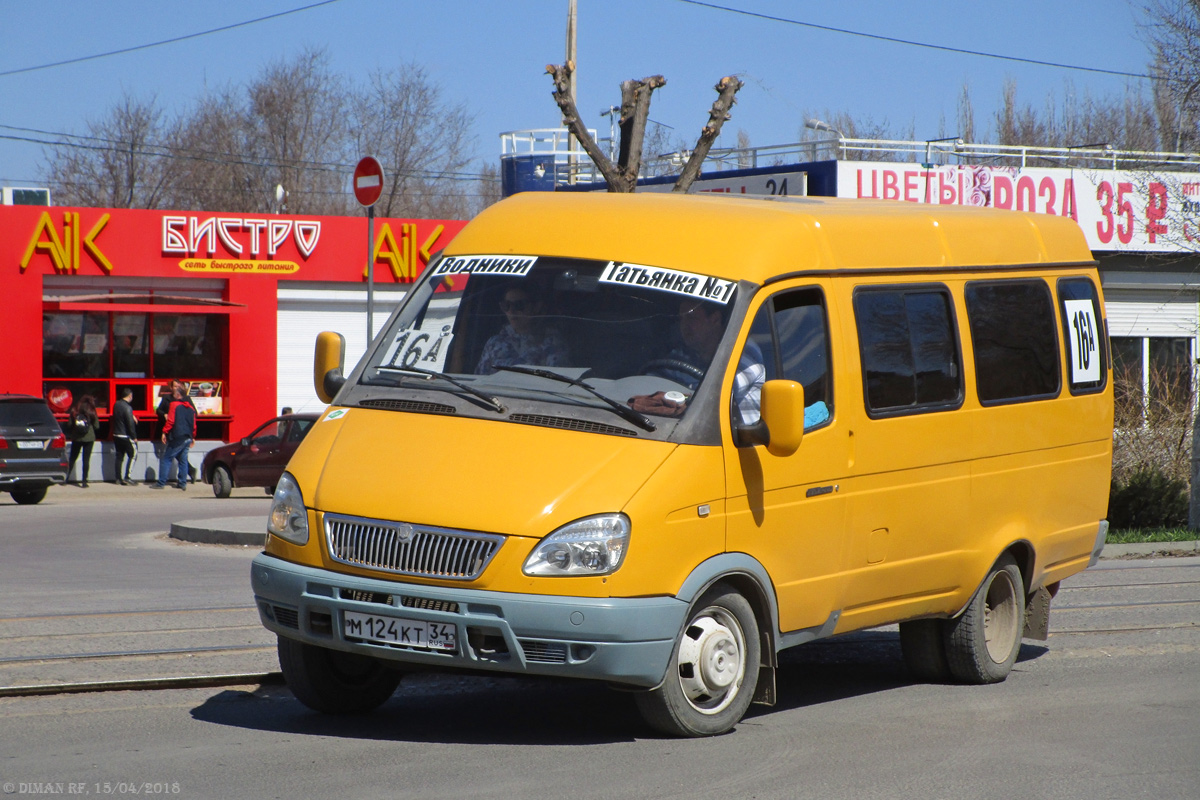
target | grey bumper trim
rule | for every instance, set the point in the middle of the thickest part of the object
(622, 640)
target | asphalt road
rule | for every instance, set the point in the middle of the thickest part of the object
(1108, 708)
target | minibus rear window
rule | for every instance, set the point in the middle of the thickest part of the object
(1084, 335)
(910, 353)
(1013, 336)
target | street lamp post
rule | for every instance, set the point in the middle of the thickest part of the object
(819, 125)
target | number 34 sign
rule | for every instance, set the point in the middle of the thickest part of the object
(1085, 341)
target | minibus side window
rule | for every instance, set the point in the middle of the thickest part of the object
(790, 338)
(1014, 339)
(910, 354)
(1083, 335)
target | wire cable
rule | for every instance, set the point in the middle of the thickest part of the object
(173, 40)
(911, 43)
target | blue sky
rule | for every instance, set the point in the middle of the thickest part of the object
(491, 56)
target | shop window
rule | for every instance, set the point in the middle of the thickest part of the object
(75, 345)
(1152, 380)
(1128, 390)
(131, 346)
(100, 353)
(188, 345)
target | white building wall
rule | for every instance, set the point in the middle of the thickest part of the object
(307, 309)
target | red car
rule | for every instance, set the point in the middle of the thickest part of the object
(260, 458)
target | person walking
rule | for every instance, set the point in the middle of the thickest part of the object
(178, 435)
(124, 433)
(84, 426)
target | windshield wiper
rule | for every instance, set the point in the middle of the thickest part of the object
(492, 402)
(625, 412)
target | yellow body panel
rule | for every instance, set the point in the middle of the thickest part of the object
(878, 520)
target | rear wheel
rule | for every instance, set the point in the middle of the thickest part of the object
(713, 671)
(222, 481)
(28, 497)
(334, 682)
(982, 644)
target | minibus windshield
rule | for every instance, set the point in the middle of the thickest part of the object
(604, 334)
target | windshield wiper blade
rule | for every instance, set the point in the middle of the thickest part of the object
(492, 402)
(625, 412)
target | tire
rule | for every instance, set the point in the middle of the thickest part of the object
(713, 671)
(334, 682)
(922, 641)
(982, 644)
(222, 481)
(29, 497)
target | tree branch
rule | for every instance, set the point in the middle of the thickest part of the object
(726, 88)
(562, 76)
(635, 111)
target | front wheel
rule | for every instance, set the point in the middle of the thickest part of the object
(982, 644)
(713, 672)
(334, 682)
(222, 482)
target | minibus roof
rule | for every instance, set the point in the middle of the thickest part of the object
(756, 239)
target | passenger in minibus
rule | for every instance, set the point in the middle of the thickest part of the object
(526, 338)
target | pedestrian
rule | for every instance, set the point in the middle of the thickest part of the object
(82, 426)
(164, 405)
(286, 410)
(124, 433)
(178, 435)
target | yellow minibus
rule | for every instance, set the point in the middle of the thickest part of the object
(653, 440)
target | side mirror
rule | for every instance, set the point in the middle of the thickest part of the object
(328, 361)
(781, 424)
(245, 442)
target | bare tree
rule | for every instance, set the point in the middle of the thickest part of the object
(1172, 32)
(422, 140)
(295, 119)
(297, 125)
(635, 111)
(116, 164)
(214, 169)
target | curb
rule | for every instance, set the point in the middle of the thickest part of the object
(1151, 549)
(249, 531)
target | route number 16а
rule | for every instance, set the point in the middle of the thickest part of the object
(1085, 349)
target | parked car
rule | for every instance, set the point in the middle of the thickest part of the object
(258, 459)
(33, 450)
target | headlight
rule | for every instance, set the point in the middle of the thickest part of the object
(289, 518)
(589, 546)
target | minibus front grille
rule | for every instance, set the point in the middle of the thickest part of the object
(566, 423)
(416, 406)
(404, 549)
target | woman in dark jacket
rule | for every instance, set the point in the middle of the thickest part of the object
(83, 426)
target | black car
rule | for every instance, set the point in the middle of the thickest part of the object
(260, 458)
(33, 450)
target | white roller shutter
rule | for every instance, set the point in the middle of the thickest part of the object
(1152, 312)
(304, 311)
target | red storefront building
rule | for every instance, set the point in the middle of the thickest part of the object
(100, 299)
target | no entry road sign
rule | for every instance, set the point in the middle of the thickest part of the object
(368, 181)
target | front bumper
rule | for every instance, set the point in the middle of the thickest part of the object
(621, 640)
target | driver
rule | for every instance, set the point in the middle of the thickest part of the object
(701, 326)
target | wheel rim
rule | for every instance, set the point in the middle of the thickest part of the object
(1001, 626)
(712, 660)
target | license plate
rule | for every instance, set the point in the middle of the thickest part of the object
(399, 631)
(27, 445)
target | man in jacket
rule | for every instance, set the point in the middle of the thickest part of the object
(177, 437)
(124, 433)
